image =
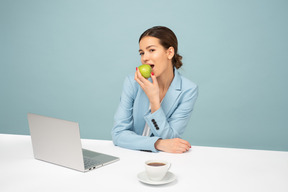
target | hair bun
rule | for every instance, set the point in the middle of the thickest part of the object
(177, 61)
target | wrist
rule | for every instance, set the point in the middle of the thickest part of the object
(157, 144)
(155, 106)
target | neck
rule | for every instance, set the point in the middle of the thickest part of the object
(165, 80)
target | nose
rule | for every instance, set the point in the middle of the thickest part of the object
(145, 58)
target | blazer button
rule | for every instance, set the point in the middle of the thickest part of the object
(156, 126)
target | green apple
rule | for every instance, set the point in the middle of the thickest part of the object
(145, 70)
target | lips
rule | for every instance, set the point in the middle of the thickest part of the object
(152, 66)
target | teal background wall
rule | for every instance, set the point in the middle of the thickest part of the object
(68, 59)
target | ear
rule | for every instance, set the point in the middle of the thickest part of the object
(170, 52)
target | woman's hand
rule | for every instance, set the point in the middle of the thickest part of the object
(150, 89)
(175, 145)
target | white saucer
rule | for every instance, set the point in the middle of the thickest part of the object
(169, 177)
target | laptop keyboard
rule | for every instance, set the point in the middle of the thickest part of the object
(91, 163)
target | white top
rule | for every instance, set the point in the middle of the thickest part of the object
(146, 131)
(201, 169)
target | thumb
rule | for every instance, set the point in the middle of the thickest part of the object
(154, 79)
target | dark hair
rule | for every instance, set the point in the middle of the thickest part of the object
(167, 39)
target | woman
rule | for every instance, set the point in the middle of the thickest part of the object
(153, 113)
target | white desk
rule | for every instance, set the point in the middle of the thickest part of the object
(201, 169)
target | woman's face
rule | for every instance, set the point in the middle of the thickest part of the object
(155, 55)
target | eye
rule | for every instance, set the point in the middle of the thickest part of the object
(141, 53)
(152, 50)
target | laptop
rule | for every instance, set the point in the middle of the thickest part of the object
(58, 141)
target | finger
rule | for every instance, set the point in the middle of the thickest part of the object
(185, 142)
(141, 78)
(181, 150)
(185, 148)
(137, 79)
(184, 145)
(154, 79)
(137, 73)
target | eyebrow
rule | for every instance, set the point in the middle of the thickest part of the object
(148, 47)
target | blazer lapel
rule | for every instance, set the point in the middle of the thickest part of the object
(172, 94)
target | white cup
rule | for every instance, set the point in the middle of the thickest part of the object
(156, 169)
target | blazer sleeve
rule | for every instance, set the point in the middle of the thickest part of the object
(123, 133)
(173, 125)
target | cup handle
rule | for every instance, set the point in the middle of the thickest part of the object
(169, 166)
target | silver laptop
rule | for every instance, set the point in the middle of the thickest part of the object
(58, 141)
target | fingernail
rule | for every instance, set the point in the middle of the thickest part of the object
(152, 73)
(136, 68)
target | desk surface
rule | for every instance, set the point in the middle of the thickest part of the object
(202, 169)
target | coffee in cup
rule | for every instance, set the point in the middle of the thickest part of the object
(156, 169)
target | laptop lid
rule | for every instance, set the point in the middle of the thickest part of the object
(58, 141)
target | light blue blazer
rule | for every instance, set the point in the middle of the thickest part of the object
(169, 121)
